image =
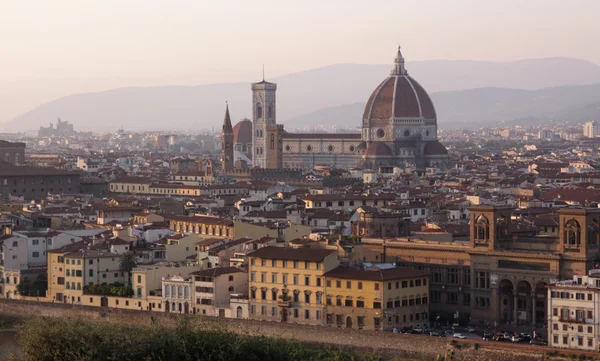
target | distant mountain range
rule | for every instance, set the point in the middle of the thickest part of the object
(485, 106)
(464, 92)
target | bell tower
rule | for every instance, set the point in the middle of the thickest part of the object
(227, 143)
(263, 120)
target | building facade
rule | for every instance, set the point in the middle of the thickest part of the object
(287, 284)
(12, 153)
(376, 299)
(573, 312)
(500, 275)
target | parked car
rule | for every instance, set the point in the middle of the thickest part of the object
(459, 335)
(470, 329)
(417, 330)
(486, 336)
(538, 342)
(434, 333)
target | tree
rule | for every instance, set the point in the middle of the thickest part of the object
(37, 288)
(127, 264)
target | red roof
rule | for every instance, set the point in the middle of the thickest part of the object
(378, 149)
(399, 97)
(242, 132)
(435, 148)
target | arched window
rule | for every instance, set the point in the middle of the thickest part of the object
(482, 228)
(7, 158)
(179, 291)
(272, 140)
(173, 294)
(258, 111)
(572, 233)
(269, 114)
(167, 293)
(185, 292)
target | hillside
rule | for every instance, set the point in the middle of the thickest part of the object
(328, 89)
(486, 106)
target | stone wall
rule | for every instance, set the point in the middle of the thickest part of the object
(387, 344)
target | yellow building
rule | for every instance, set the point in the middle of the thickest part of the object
(72, 267)
(286, 284)
(376, 299)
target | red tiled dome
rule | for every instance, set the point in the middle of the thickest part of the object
(399, 96)
(377, 149)
(435, 148)
(242, 132)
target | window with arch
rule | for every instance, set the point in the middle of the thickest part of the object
(272, 140)
(7, 158)
(258, 111)
(501, 226)
(407, 133)
(269, 113)
(482, 229)
(594, 233)
(572, 233)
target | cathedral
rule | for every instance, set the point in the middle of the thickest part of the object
(399, 128)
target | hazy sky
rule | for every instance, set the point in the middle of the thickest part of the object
(49, 49)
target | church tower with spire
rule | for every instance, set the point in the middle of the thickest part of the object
(227, 143)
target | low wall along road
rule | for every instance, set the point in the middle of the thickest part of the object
(385, 343)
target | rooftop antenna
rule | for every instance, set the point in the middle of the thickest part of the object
(263, 72)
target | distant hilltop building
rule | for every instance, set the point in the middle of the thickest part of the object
(591, 129)
(399, 128)
(63, 129)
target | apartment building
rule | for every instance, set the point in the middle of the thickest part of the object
(287, 284)
(376, 298)
(573, 312)
(213, 289)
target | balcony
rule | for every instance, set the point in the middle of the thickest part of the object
(281, 303)
(574, 320)
(284, 301)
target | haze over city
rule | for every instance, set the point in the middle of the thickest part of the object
(55, 49)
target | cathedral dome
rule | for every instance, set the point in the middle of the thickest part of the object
(242, 132)
(399, 96)
(435, 148)
(378, 149)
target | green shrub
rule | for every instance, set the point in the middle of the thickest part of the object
(476, 347)
(54, 339)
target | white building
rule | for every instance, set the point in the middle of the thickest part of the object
(177, 294)
(574, 312)
(214, 288)
(591, 129)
